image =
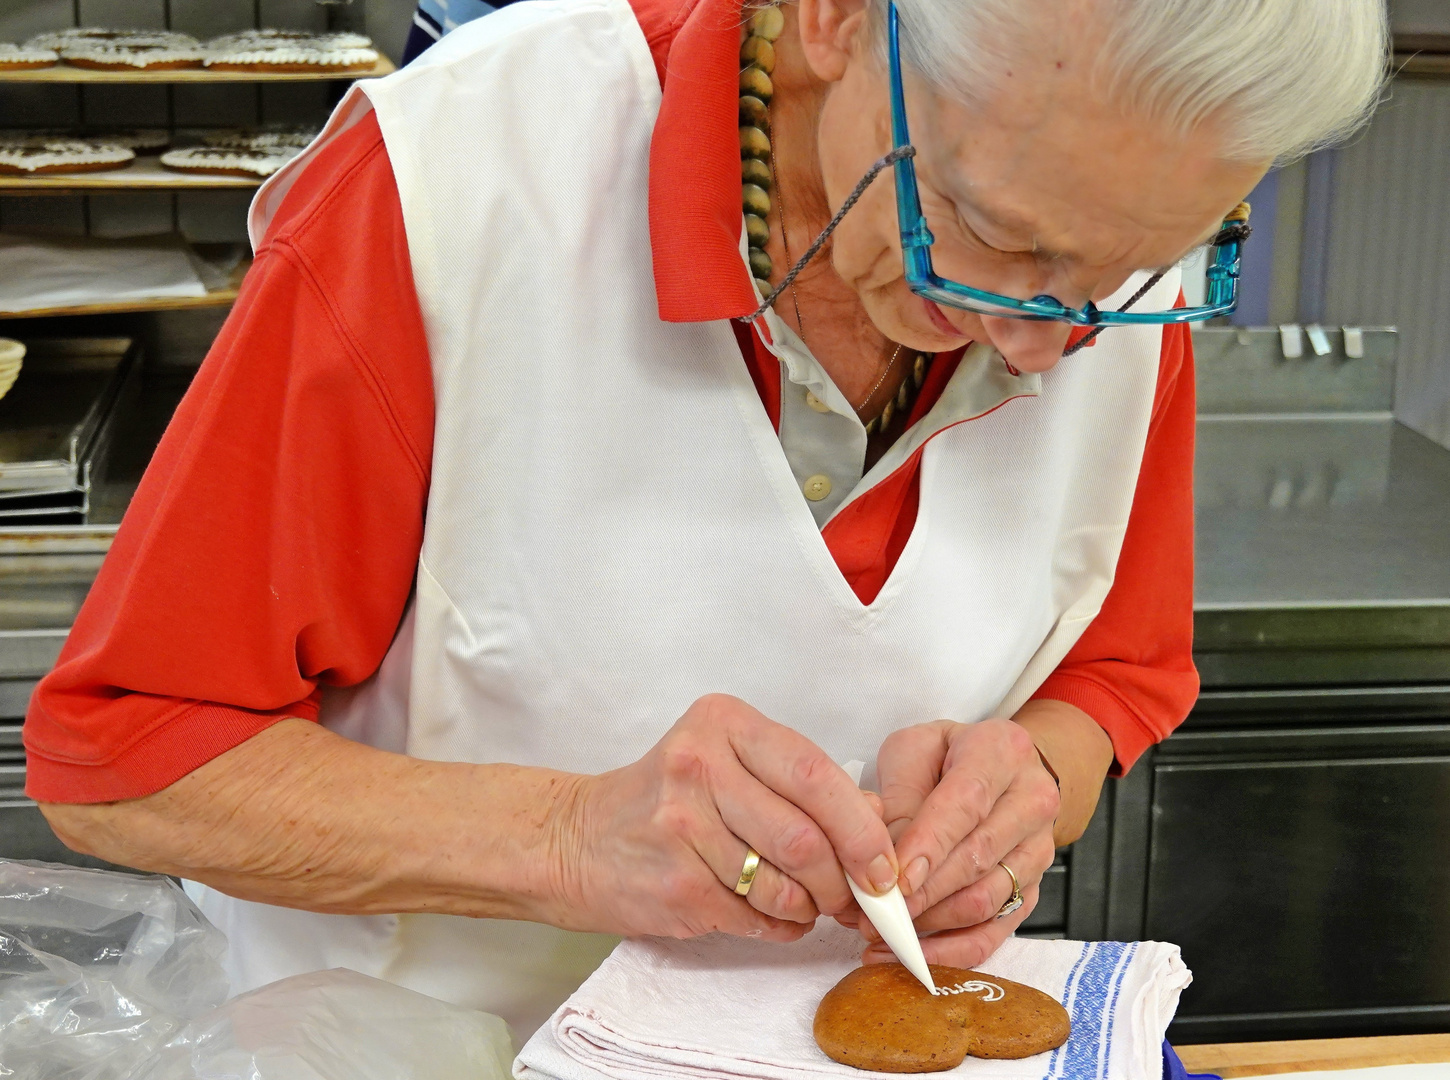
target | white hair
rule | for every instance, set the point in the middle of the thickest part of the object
(1282, 77)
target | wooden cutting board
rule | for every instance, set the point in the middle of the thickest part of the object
(1268, 1058)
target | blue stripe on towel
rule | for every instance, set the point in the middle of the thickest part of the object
(1069, 992)
(1112, 1008)
(1090, 997)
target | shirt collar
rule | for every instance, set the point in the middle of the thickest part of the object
(694, 168)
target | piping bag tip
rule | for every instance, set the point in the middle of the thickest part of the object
(888, 914)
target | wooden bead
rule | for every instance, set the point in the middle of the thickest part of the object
(918, 370)
(760, 264)
(873, 426)
(903, 395)
(764, 287)
(888, 414)
(754, 143)
(756, 83)
(755, 200)
(768, 23)
(757, 232)
(758, 51)
(753, 112)
(757, 172)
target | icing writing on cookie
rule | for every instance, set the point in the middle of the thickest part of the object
(989, 991)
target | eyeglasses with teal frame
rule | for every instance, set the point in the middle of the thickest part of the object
(1222, 293)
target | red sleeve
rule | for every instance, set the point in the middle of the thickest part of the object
(272, 543)
(1132, 670)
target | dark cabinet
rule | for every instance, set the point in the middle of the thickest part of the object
(1296, 844)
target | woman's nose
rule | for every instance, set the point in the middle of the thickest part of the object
(1025, 344)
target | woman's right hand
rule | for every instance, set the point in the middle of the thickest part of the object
(657, 846)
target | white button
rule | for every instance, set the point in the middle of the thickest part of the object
(817, 487)
(815, 402)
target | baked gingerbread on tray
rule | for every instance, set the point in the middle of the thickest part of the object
(881, 1018)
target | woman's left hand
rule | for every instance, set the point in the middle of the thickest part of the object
(957, 800)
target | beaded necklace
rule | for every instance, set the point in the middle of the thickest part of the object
(757, 158)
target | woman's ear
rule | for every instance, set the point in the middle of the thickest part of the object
(829, 33)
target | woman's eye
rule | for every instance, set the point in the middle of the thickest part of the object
(976, 238)
(995, 249)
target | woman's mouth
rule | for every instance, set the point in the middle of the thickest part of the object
(940, 321)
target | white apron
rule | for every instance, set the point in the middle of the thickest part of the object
(613, 529)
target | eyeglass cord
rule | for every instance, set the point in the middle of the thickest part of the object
(1083, 341)
(1239, 232)
(890, 159)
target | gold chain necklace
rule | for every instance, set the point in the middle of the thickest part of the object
(757, 174)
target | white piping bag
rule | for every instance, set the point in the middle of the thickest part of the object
(888, 913)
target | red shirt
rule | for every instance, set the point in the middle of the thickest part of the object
(271, 547)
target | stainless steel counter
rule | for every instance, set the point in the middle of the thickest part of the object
(1320, 513)
(1323, 553)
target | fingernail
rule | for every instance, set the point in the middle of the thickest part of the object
(881, 873)
(916, 873)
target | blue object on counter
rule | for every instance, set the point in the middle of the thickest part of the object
(1173, 1068)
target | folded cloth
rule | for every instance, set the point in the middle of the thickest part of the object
(723, 1008)
(38, 273)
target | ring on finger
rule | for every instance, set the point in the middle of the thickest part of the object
(748, 871)
(1015, 900)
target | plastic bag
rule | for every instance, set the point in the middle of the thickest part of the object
(97, 969)
(114, 976)
(335, 1025)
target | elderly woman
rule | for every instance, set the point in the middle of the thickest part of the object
(532, 549)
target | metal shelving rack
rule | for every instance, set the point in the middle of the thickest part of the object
(146, 174)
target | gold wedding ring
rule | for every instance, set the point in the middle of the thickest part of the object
(748, 871)
(1015, 900)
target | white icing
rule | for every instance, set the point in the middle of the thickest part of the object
(261, 162)
(26, 54)
(31, 156)
(292, 54)
(989, 991)
(83, 35)
(264, 139)
(272, 38)
(133, 138)
(138, 56)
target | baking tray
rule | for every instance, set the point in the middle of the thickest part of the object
(56, 424)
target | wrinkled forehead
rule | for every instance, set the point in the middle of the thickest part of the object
(1046, 160)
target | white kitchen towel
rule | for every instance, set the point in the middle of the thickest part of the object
(723, 1008)
(38, 273)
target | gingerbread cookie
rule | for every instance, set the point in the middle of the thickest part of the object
(265, 138)
(92, 35)
(228, 161)
(23, 57)
(290, 51)
(128, 56)
(881, 1018)
(122, 50)
(141, 140)
(272, 37)
(31, 156)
